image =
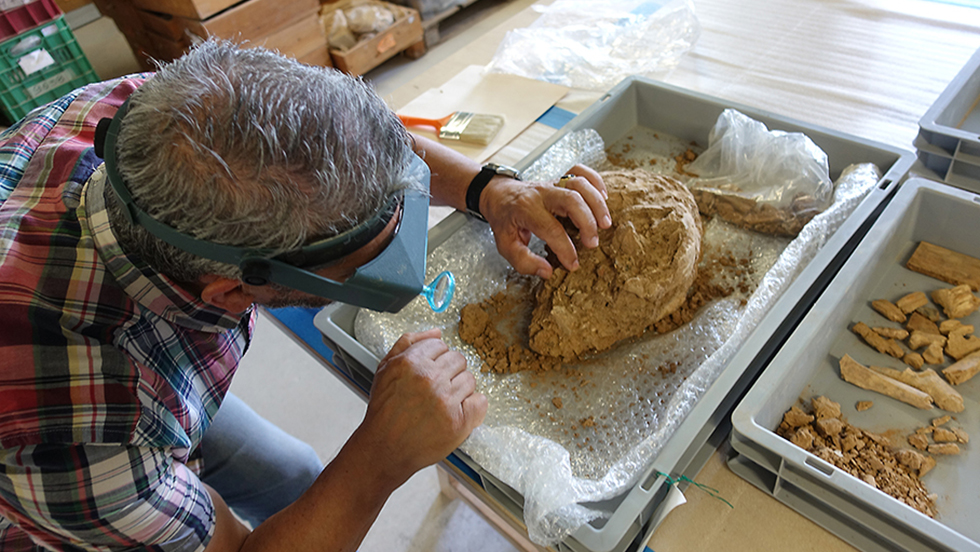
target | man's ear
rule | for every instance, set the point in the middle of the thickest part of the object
(226, 294)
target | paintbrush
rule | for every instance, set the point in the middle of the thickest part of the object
(476, 128)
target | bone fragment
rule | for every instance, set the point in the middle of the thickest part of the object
(963, 369)
(927, 381)
(881, 344)
(912, 301)
(855, 373)
(888, 310)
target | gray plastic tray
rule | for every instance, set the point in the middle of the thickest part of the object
(949, 132)
(690, 116)
(806, 366)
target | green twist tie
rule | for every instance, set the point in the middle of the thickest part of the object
(714, 493)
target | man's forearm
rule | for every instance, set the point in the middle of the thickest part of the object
(336, 512)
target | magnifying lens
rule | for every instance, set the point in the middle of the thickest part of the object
(439, 293)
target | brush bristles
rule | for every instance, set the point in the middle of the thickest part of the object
(477, 128)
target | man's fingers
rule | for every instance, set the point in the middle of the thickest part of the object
(520, 256)
(474, 410)
(409, 339)
(593, 199)
(592, 177)
(463, 385)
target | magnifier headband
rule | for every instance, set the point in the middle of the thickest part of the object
(386, 283)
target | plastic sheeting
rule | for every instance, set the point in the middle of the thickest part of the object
(594, 45)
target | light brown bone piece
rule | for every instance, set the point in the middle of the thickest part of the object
(933, 354)
(942, 420)
(961, 435)
(943, 435)
(930, 313)
(855, 373)
(891, 333)
(959, 346)
(888, 310)
(912, 301)
(881, 344)
(914, 360)
(947, 326)
(861, 406)
(944, 448)
(919, 441)
(919, 322)
(956, 302)
(927, 381)
(918, 463)
(919, 339)
(963, 369)
(949, 266)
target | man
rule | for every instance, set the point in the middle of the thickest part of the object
(117, 348)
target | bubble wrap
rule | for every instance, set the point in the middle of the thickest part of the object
(629, 406)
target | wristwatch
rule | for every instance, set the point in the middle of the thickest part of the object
(480, 182)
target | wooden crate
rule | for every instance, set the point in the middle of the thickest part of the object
(405, 34)
(303, 40)
(248, 20)
(191, 9)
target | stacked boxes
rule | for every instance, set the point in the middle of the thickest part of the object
(949, 133)
(164, 30)
(39, 58)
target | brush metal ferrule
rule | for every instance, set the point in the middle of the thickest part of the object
(453, 130)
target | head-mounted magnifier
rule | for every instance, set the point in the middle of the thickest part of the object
(386, 283)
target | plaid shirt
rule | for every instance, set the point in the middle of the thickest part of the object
(109, 373)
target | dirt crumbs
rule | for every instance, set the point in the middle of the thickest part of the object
(866, 456)
(641, 271)
(497, 327)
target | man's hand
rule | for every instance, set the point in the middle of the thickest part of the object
(515, 210)
(423, 404)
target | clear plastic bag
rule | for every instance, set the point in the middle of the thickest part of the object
(594, 45)
(765, 180)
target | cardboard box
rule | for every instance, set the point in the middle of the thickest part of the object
(405, 33)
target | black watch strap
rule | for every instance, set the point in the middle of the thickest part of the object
(475, 190)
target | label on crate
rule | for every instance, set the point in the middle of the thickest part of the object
(35, 61)
(50, 83)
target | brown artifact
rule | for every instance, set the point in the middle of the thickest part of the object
(919, 322)
(956, 302)
(943, 264)
(855, 373)
(912, 301)
(963, 369)
(888, 310)
(883, 345)
(891, 333)
(641, 271)
(927, 381)
(959, 345)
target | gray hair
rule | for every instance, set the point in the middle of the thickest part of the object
(245, 147)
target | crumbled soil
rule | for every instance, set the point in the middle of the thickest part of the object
(867, 456)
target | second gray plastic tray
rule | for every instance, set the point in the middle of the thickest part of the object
(806, 366)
